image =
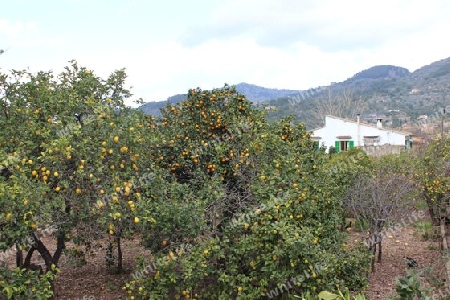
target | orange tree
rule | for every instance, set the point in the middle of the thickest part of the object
(205, 132)
(67, 142)
(432, 174)
(202, 143)
(275, 209)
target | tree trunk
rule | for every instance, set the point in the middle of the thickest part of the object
(374, 250)
(431, 211)
(43, 251)
(60, 246)
(19, 256)
(379, 252)
(27, 260)
(119, 256)
(46, 256)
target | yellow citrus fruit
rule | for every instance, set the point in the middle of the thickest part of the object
(136, 220)
(116, 139)
(78, 191)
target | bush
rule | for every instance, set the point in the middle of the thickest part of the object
(21, 283)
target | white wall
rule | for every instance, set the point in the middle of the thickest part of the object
(337, 127)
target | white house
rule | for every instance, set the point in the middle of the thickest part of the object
(343, 134)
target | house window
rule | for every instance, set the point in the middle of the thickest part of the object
(408, 143)
(344, 145)
(371, 140)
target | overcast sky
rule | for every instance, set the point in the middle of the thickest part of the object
(169, 46)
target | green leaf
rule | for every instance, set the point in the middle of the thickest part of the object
(9, 291)
(328, 296)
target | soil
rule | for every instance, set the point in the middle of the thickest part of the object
(93, 280)
(406, 243)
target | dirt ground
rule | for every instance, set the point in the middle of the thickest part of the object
(406, 243)
(93, 281)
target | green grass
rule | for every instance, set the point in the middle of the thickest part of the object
(424, 229)
(421, 205)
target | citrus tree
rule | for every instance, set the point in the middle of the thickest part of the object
(68, 144)
(433, 177)
(275, 210)
(201, 142)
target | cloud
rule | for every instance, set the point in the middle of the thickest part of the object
(293, 44)
(159, 71)
(13, 30)
(327, 24)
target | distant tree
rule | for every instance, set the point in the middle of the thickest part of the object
(378, 197)
(396, 122)
(332, 150)
(346, 105)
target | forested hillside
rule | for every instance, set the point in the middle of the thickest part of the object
(395, 93)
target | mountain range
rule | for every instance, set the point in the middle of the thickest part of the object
(384, 90)
(254, 93)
